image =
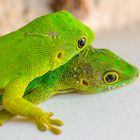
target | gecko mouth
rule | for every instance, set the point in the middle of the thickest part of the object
(73, 91)
(116, 85)
(124, 83)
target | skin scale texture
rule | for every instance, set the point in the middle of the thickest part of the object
(41, 46)
(84, 73)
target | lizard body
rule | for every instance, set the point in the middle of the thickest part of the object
(92, 72)
(41, 46)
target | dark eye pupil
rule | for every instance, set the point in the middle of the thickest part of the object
(111, 78)
(81, 42)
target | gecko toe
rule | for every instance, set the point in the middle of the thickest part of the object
(49, 114)
(56, 122)
(41, 127)
(54, 130)
(44, 122)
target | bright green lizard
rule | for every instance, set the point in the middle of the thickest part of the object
(95, 71)
(41, 46)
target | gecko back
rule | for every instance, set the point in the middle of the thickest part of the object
(42, 45)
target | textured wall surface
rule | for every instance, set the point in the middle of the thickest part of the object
(103, 14)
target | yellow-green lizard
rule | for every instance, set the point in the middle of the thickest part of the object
(91, 72)
(41, 46)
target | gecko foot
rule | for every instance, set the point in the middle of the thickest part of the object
(45, 122)
(5, 116)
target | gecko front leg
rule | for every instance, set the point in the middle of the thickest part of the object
(14, 102)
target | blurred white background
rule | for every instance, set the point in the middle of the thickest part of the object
(101, 14)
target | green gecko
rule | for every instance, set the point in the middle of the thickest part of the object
(91, 72)
(41, 46)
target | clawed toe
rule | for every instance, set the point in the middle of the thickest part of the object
(54, 130)
(56, 122)
(49, 114)
(45, 122)
(41, 127)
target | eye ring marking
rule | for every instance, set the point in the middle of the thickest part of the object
(84, 82)
(111, 77)
(81, 42)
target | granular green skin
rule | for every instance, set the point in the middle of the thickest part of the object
(32, 51)
(84, 73)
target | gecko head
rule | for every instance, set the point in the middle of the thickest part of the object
(72, 36)
(100, 70)
(107, 70)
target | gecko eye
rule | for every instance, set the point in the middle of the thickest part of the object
(81, 42)
(111, 77)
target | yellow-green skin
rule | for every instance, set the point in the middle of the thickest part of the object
(41, 46)
(84, 73)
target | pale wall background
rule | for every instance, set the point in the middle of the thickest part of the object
(103, 14)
